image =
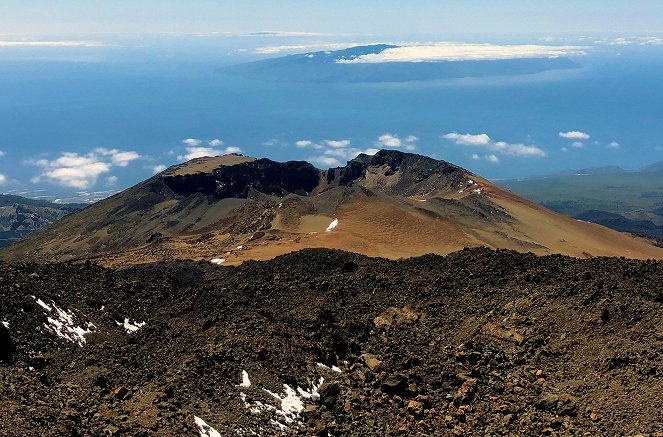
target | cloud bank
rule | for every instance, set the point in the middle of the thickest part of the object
(449, 51)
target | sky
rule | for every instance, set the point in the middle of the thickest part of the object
(392, 17)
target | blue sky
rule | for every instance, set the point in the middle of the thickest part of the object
(390, 17)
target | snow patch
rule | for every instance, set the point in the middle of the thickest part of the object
(280, 205)
(5, 324)
(246, 382)
(130, 326)
(332, 368)
(61, 323)
(332, 225)
(289, 404)
(204, 429)
(470, 182)
(240, 247)
(218, 261)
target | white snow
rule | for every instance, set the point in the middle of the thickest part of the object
(470, 182)
(218, 261)
(290, 404)
(478, 191)
(332, 368)
(280, 205)
(332, 225)
(61, 323)
(43, 304)
(6, 324)
(240, 247)
(246, 382)
(130, 326)
(204, 429)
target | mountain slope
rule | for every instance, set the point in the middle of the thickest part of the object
(393, 204)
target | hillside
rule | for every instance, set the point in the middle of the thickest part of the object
(393, 204)
(324, 343)
(20, 217)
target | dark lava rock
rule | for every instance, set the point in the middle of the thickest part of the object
(6, 346)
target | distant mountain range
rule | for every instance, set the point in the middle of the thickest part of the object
(20, 217)
(327, 66)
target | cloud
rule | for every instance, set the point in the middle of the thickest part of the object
(73, 170)
(2, 153)
(630, 41)
(192, 142)
(450, 51)
(118, 157)
(158, 168)
(282, 33)
(393, 141)
(215, 142)
(3, 179)
(51, 44)
(303, 144)
(303, 48)
(575, 135)
(613, 145)
(484, 141)
(82, 171)
(338, 144)
(578, 144)
(490, 158)
(197, 151)
(565, 149)
(468, 139)
(111, 180)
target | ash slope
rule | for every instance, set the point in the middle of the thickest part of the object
(393, 204)
(475, 343)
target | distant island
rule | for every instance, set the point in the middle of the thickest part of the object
(337, 66)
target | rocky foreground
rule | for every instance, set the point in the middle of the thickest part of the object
(323, 342)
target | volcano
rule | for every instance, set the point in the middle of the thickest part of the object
(234, 208)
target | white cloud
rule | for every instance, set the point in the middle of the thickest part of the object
(630, 41)
(303, 144)
(3, 179)
(193, 152)
(192, 142)
(337, 143)
(215, 142)
(273, 50)
(565, 149)
(483, 140)
(118, 157)
(51, 44)
(614, 145)
(2, 153)
(450, 51)
(490, 158)
(158, 168)
(338, 157)
(575, 135)
(578, 144)
(82, 171)
(393, 141)
(73, 170)
(468, 139)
